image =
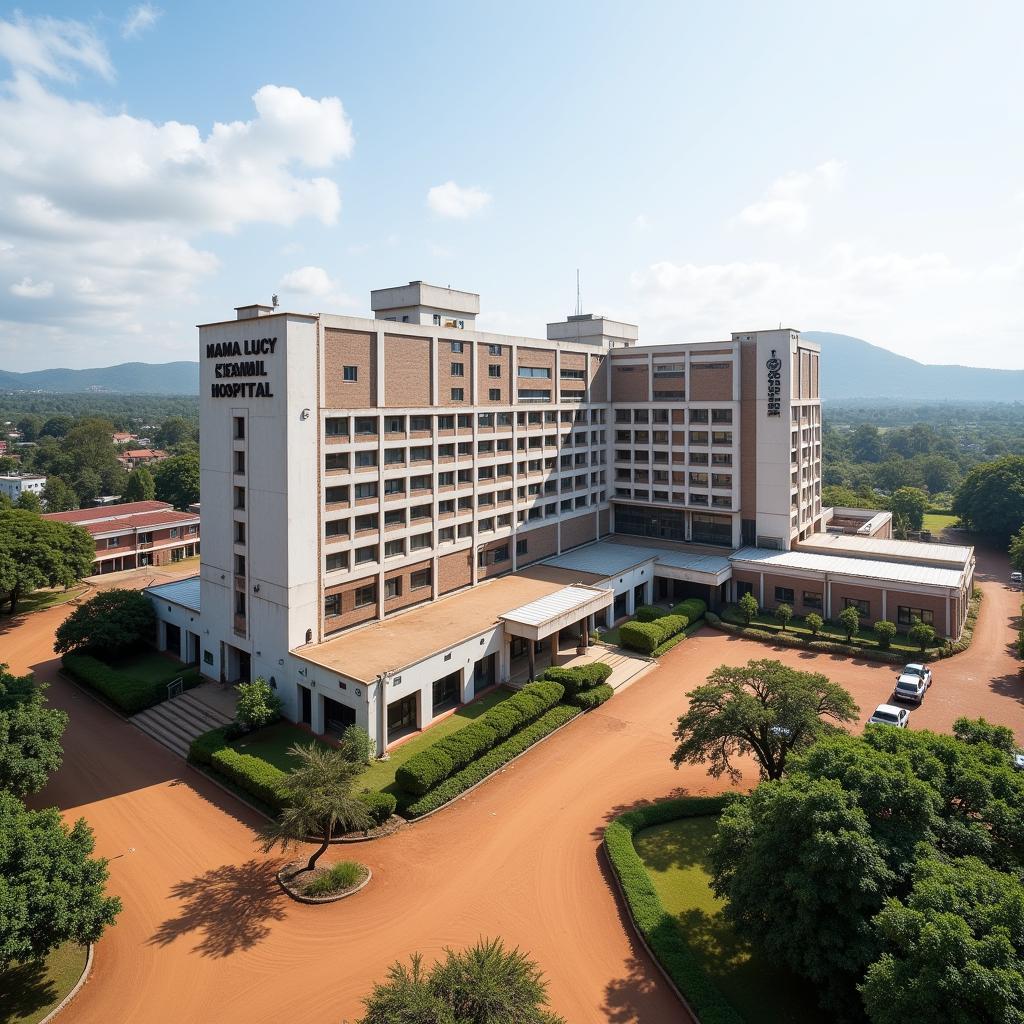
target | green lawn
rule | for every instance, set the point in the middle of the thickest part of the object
(29, 992)
(153, 667)
(40, 599)
(937, 523)
(381, 774)
(675, 855)
(272, 744)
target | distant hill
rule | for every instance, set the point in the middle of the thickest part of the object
(853, 368)
(181, 378)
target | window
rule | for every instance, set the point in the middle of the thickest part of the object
(336, 528)
(456, 345)
(534, 371)
(332, 605)
(239, 427)
(457, 370)
(522, 546)
(458, 395)
(534, 395)
(393, 588)
(366, 595)
(336, 426)
(698, 415)
(572, 374)
(811, 599)
(350, 374)
(437, 319)
(494, 350)
(334, 495)
(494, 370)
(239, 533)
(445, 422)
(907, 616)
(366, 554)
(239, 565)
(239, 602)
(419, 424)
(336, 460)
(494, 394)
(338, 560)
(239, 462)
(446, 534)
(394, 517)
(366, 425)
(485, 419)
(394, 424)
(419, 542)
(366, 522)
(366, 491)
(366, 459)
(721, 415)
(419, 512)
(419, 579)
(784, 595)
(863, 607)
(420, 453)
(114, 542)
(465, 421)
(239, 497)
(394, 486)
(394, 456)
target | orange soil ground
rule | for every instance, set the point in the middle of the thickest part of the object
(206, 935)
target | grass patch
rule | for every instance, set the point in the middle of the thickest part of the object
(28, 992)
(380, 775)
(272, 744)
(41, 599)
(937, 522)
(675, 855)
(610, 636)
(338, 878)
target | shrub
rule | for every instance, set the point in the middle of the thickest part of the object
(424, 770)
(355, 741)
(257, 777)
(346, 874)
(380, 805)
(646, 636)
(257, 704)
(592, 698)
(579, 678)
(849, 619)
(505, 720)
(922, 634)
(113, 622)
(748, 607)
(649, 612)
(814, 622)
(661, 930)
(885, 631)
(469, 742)
(692, 608)
(203, 747)
(119, 686)
(492, 761)
(784, 615)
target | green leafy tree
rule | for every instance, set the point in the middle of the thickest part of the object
(57, 426)
(978, 730)
(36, 552)
(921, 634)
(849, 619)
(910, 503)
(748, 607)
(885, 631)
(784, 615)
(318, 801)
(88, 485)
(257, 704)
(52, 887)
(30, 733)
(59, 496)
(485, 984)
(177, 480)
(355, 741)
(140, 486)
(953, 950)
(112, 623)
(814, 622)
(1017, 550)
(176, 431)
(866, 444)
(30, 502)
(8, 464)
(763, 708)
(30, 426)
(991, 498)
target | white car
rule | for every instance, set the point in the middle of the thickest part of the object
(1018, 760)
(889, 714)
(912, 683)
(1016, 579)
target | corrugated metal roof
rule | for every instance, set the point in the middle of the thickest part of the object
(561, 602)
(953, 554)
(184, 592)
(607, 559)
(896, 572)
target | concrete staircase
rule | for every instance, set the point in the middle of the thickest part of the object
(177, 722)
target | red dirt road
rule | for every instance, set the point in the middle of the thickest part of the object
(206, 935)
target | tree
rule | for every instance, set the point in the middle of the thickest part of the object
(8, 464)
(896, 473)
(814, 622)
(885, 631)
(763, 708)
(257, 704)
(939, 472)
(866, 444)
(177, 480)
(30, 502)
(991, 498)
(953, 950)
(748, 607)
(849, 619)
(88, 485)
(784, 615)
(140, 486)
(30, 733)
(486, 984)
(978, 730)
(36, 552)
(112, 623)
(52, 887)
(58, 495)
(318, 801)
(1017, 550)
(921, 634)
(910, 503)
(30, 426)
(355, 741)
(57, 426)
(176, 431)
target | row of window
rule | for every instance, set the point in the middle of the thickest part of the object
(662, 415)
(367, 594)
(695, 437)
(369, 426)
(905, 615)
(658, 476)
(723, 501)
(147, 538)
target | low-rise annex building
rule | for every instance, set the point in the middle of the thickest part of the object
(402, 511)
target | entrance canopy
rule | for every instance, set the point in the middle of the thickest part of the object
(547, 615)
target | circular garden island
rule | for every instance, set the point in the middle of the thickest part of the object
(325, 883)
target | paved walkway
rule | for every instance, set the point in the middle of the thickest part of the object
(206, 935)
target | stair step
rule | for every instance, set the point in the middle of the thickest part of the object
(200, 706)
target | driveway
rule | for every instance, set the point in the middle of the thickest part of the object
(206, 935)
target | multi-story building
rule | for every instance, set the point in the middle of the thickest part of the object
(136, 533)
(398, 508)
(14, 485)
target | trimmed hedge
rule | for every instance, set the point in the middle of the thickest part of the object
(661, 930)
(693, 608)
(646, 636)
(582, 677)
(258, 777)
(492, 761)
(592, 698)
(120, 687)
(380, 805)
(204, 746)
(649, 612)
(426, 769)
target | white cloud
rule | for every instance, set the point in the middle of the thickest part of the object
(114, 211)
(26, 288)
(452, 200)
(786, 202)
(314, 282)
(139, 19)
(641, 222)
(52, 48)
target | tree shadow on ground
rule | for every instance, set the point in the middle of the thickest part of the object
(612, 813)
(1010, 685)
(626, 999)
(24, 991)
(229, 908)
(673, 846)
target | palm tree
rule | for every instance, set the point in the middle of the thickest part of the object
(318, 799)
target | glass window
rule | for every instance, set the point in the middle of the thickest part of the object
(457, 370)
(350, 373)
(784, 595)
(366, 595)
(332, 605)
(366, 554)
(458, 395)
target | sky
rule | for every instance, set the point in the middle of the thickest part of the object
(707, 167)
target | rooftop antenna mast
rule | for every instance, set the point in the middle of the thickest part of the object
(579, 302)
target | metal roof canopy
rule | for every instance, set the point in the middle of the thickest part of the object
(922, 552)
(546, 615)
(181, 592)
(608, 559)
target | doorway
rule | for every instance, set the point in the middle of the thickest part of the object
(337, 717)
(172, 639)
(483, 674)
(306, 702)
(402, 717)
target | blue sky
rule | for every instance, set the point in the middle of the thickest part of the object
(708, 167)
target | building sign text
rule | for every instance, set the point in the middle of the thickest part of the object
(774, 366)
(241, 368)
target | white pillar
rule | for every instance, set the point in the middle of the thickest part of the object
(630, 601)
(761, 600)
(949, 621)
(885, 600)
(466, 684)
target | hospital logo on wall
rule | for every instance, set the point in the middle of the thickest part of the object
(774, 367)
